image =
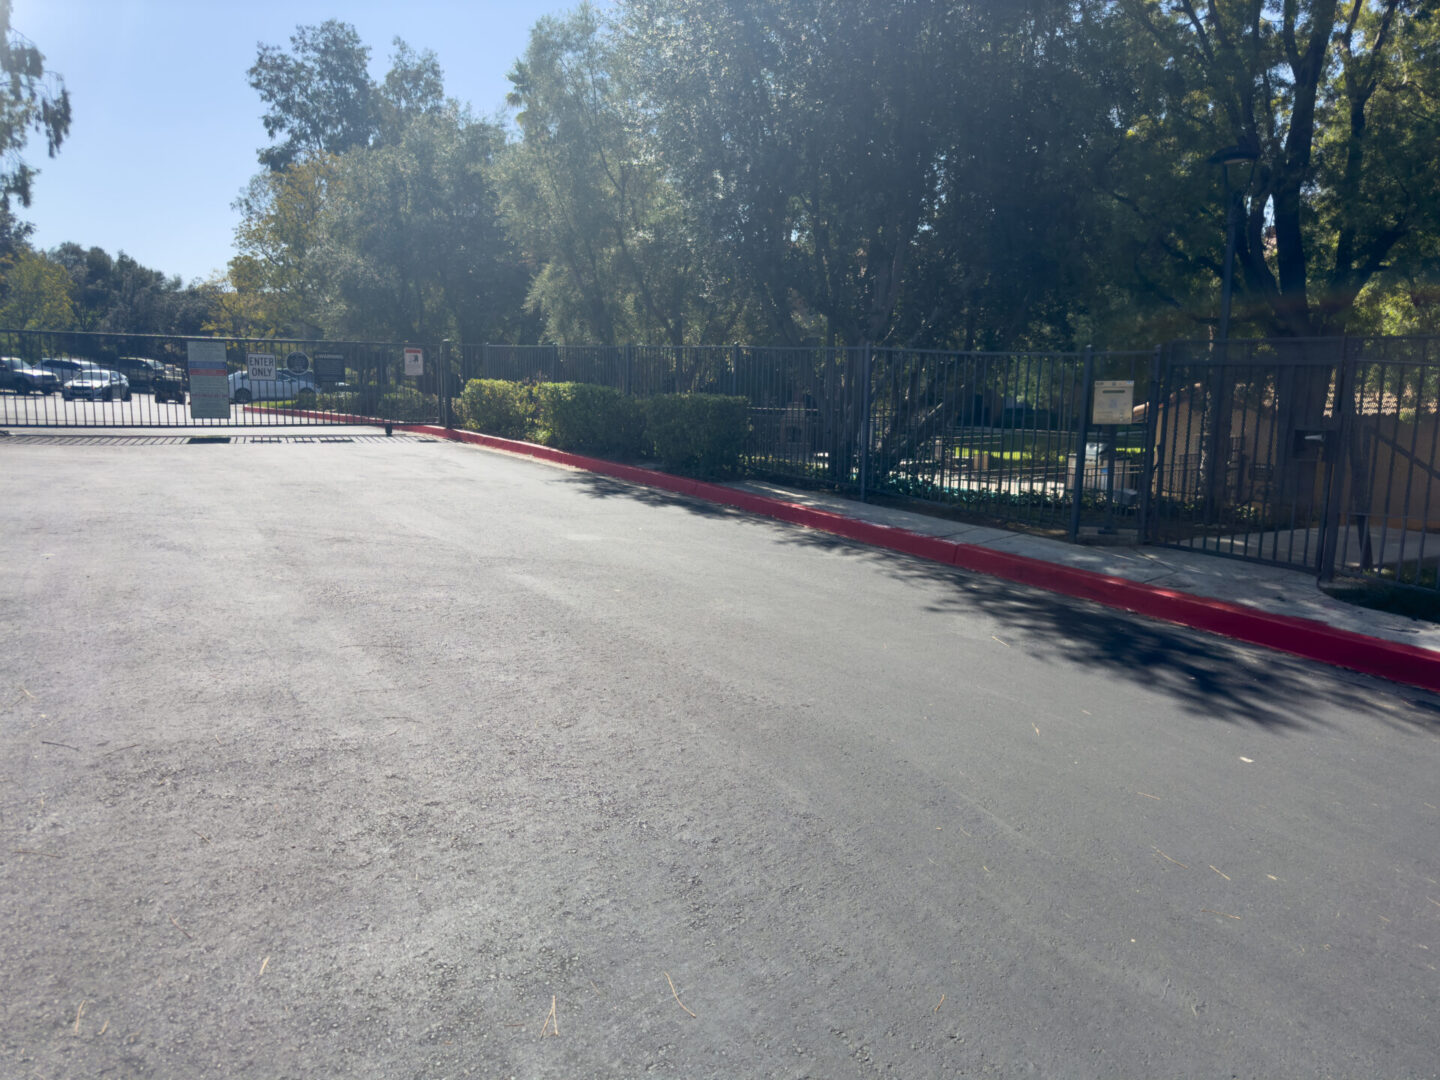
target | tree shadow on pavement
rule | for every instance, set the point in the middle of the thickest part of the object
(1208, 676)
(605, 487)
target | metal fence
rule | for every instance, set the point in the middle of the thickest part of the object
(1005, 435)
(88, 380)
(1322, 454)
(1319, 454)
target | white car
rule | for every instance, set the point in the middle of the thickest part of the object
(97, 385)
(286, 386)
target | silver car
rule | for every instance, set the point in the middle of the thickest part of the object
(285, 386)
(97, 385)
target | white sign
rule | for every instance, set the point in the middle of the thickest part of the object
(260, 365)
(1114, 402)
(209, 385)
(414, 361)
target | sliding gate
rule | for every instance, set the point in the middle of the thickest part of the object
(91, 380)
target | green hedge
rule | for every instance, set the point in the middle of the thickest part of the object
(697, 433)
(497, 407)
(589, 419)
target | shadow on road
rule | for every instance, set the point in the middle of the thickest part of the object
(1209, 677)
(604, 487)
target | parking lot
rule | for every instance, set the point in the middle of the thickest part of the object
(388, 757)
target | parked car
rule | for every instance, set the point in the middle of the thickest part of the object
(97, 385)
(168, 384)
(19, 376)
(140, 370)
(66, 368)
(286, 386)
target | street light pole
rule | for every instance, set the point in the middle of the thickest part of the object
(1231, 155)
(1217, 451)
(1228, 276)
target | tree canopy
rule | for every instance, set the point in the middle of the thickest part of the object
(940, 173)
(32, 102)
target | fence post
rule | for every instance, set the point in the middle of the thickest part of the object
(444, 380)
(1078, 484)
(865, 400)
(1335, 454)
(734, 368)
(629, 362)
(1147, 460)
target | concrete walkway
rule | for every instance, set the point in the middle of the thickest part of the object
(1272, 589)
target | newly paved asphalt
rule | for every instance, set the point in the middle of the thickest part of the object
(395, 758)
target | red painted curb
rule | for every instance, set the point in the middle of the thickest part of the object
(1284, 633)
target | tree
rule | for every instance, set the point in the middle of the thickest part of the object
(320, 96)
(32, 101)
(119, 295)
(1332, 97)
(395, 234)
(414, 246)
(36, 293)
(277, 240)
(806, 139)
(414, 86)
(586, 194)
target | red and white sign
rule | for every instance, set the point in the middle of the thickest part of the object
(414, 361)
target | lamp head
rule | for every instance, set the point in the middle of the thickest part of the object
(1238, 154)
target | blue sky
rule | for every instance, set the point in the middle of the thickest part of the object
(166, 126)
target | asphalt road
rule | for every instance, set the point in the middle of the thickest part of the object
(396, 758)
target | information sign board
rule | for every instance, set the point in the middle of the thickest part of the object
(1114, 402)
(414, 361)
(329, 368)
(260, 365)
(209, 384)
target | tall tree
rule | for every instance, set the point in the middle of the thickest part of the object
(587, 195)
(277, 243)
(414, 86)
(415, 247)
(319, 95)
(805, 136)
(32, 101)
(36, 293)
(1329, 96)
(393, 234)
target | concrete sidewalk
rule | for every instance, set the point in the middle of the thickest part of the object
(1271, 589)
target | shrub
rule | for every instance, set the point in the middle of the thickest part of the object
(589, 419)
(698, 433)
(496, 407)
(404, 404)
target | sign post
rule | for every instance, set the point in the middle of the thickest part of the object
(1114, 405)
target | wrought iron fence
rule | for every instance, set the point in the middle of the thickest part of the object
(1322, 454)
(1319, 454)
(1004, 435)
(85, 380)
